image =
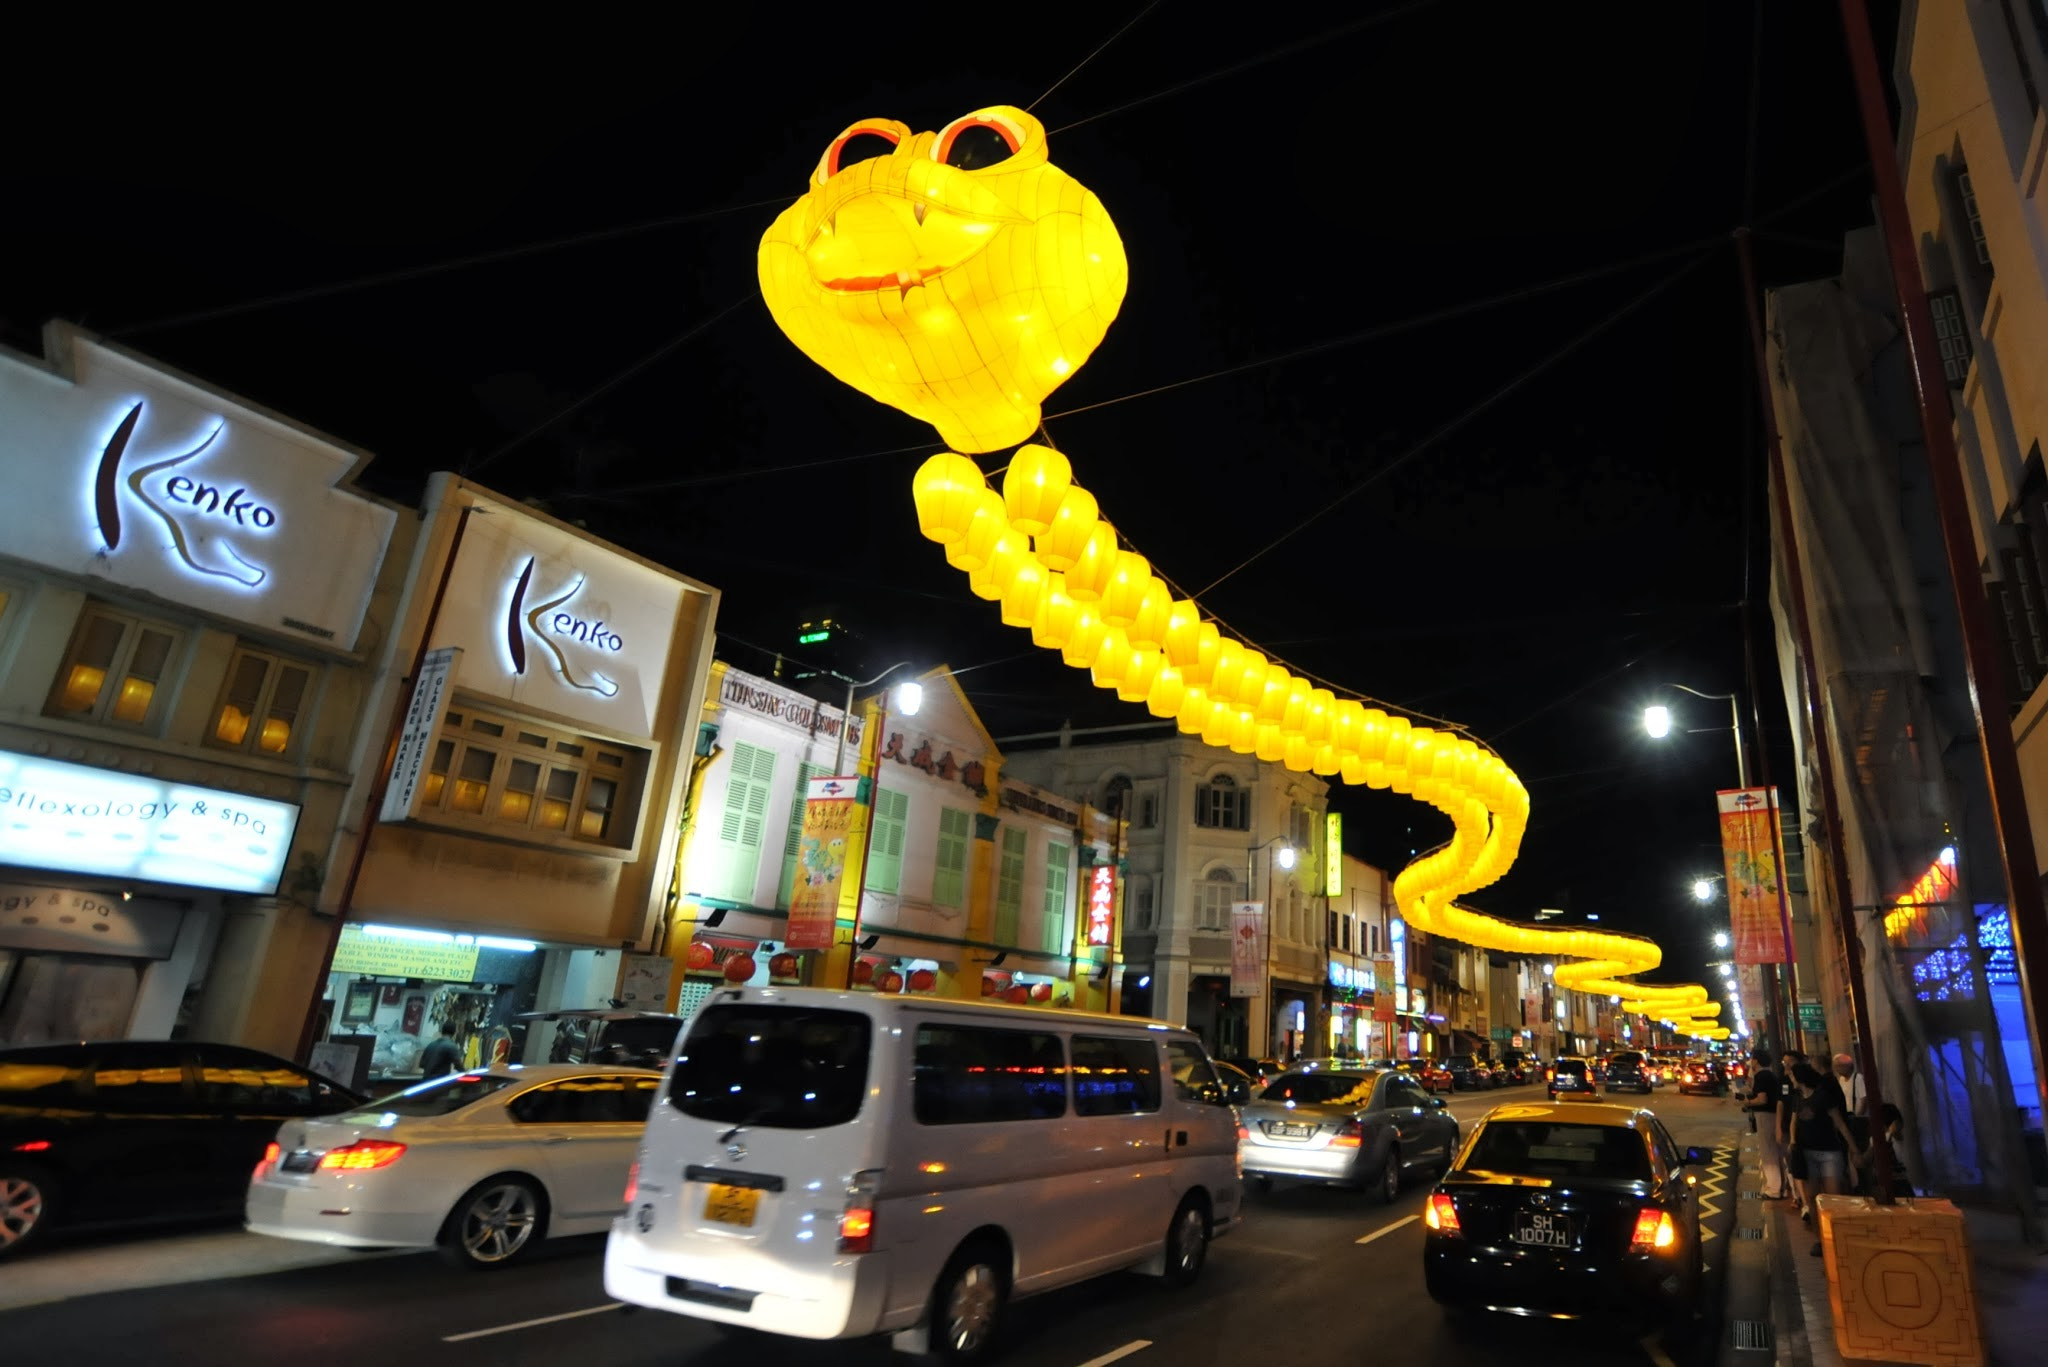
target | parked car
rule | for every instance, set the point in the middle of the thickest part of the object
(135, 1131)
(834, 1165)
(1345, 1127)
(482, 1165)
(1570, 1078)
(1629, 1071)
(627, 1039)
(1468, 1072)
(1516, 1067)
(1433, 1076)
(1702, 1077)
(1567, 1210)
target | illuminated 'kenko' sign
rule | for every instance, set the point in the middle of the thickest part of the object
(552, 624)
(198, 513)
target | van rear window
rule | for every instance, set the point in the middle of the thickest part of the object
(779, 1067)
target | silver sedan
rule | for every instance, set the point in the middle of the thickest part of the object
(1356, 1127)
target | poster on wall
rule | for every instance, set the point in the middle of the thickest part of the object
(644, 982)
(821, 862)
(1752, 870)
(1247, 949)
(1383, 987)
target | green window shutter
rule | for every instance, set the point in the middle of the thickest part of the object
(949, 873)
(885, 849)
(743, 822)
(1056, 897)
(792, 845)
(1009, 886)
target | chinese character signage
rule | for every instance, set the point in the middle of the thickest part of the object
(1247, 949)
(821, 862)
(1102, 904)
(1752, 867)
(1383, 987)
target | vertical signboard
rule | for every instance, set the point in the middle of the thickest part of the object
(1383, 987)
(1101, 905)
(1333, 854)
(1752, 870)
(821, 862)
(1247, 949)
(416, 738)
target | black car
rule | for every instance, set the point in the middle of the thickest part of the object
(1570, 1077)
(1468, 1072)
(1567, 1210)
(134, 1131)
(1628, 1072)
(636, 1039)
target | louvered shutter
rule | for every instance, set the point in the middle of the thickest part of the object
(885, 850)
(1009, 886)
(949, 871)
(792, 844)
(744, 820)
(1056, 896)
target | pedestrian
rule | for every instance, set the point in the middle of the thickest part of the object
(1795, 1161)
(1889, 1128)
(1764, 1094)
(1855, 1096)
(443, 1056)
(1820, 1132)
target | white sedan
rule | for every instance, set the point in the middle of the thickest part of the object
(483, 1165)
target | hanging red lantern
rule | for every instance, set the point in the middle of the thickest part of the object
(782, 966)
(892, 981)
(1041, 992)
(739, 968)
(988, 986)
(1018, 994)
(701, 956)
(863, 972)
(923, 980)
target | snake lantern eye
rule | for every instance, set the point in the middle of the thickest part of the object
(977, 142)
(862, 142)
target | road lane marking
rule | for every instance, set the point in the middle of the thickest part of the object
(1385, 1230)
(1119, 1354)
(1656, 1351)
(532, 1324)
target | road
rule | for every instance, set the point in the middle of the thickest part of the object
(1312, 1276)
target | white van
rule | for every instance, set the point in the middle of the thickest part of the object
(829, 1164)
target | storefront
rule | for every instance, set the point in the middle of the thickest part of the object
(1297, 1014)
(185, 582)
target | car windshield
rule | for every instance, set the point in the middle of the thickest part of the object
(1321, 1089)
(441, 1095)
(781, 1067)
(1537, 1148)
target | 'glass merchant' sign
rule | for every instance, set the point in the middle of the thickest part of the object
(404, 956)
(78, 819)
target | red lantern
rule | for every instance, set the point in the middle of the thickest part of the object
(892, 981)
(1018, 994)
(701, 956)
(739, 968)
(1041, 992)
(782, 966)
(863, 972)
(923, 980)
(988, 986)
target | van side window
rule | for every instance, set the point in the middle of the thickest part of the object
(1115, 1076)
(1193, 1078)
(964, 1075)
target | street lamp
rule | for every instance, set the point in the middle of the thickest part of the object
(1720, 939)
(1703, 889)
(1657, 721)
(904, 700)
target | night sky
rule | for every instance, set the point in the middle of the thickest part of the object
(1544, 500)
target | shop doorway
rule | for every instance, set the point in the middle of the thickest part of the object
(48, 997)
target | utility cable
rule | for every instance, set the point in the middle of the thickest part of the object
(1132, 23)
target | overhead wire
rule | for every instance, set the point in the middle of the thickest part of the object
(1128, 26)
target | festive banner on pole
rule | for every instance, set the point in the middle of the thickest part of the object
(1752, 868)
(1382, 987)
(1247, 949)
(821, 862)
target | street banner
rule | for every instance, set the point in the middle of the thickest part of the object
(1247, 949)
(1383, 987)
(1752, 868)
(821, 862)
(1750, 978)
(422, 719)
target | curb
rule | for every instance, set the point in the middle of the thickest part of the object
(1761, 1320)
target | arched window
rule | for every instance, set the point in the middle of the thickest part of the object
(1221, 805)
(1116, 796)
(1213, 896)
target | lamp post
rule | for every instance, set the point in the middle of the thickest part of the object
(1284, 857)
(846, 716)
(909, 696)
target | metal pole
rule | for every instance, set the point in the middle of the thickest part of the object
(2027, 918)
(845, 722)
(374, 805)
(867, 843)
(1741, 757)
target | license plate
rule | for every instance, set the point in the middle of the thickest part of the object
(1290, 1131)
(1543, 1231)
(301, 1161)
(731, 1205)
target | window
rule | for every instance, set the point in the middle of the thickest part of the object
(736, 852)
(968, 1076)
(511, 774)
(1116, 796)
(885, 850)
(1194, 1078)
(250, 1083)
(1009, 885)
(778, 1067)
(441, 1095)
(1148, 811)
(1141, 903)
(1115, 1076)
(1543, 1149)
(1966, 194)
(1322, 1089)
(261, 703)
(1374, 933)
(114, 667)
(141, 1079)
(42, 1077)
(586, 1101)
(1056, 856)
(1221, 805)
(1333, 930)
(1344, 933)
(1213, 896)
(793, 843)
(949, 872)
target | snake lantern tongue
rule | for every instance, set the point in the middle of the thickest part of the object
(958, 276)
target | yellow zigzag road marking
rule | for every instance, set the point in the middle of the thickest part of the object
(1716, 1184)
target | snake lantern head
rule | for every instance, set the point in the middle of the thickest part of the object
(959, 275)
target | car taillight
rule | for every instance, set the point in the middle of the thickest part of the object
(857, 1220)
(1550, 1074)
(632, 1184)
(1654, 1230)
(361, 1156)
(43, 1146)
(1440, 1214)
(1243, 1133)
(270, 1153)
(1349, 1135)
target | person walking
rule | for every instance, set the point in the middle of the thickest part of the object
(1795, 1160)
(443, 1056)
(1855, 1096)
(1764, 1094)
(1820, 1135)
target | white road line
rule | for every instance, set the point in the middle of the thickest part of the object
(1385, 1230)
(1656, 1352)
(533, 1324)
(1119, 1354)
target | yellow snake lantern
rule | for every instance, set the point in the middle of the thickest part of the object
(961, 277)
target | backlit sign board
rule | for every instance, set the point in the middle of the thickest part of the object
(1333, 854)
(1102, 904)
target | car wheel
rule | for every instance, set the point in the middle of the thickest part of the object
(496, 1223)
(967, 1305)
(1263, 1183)
(28, 1203)
(1388, 1188)
(1187, 1244)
